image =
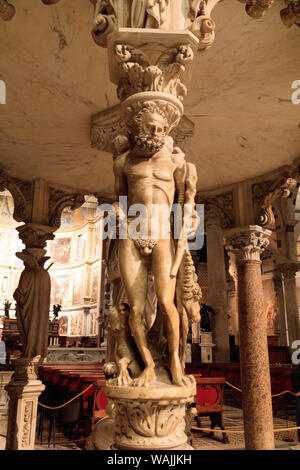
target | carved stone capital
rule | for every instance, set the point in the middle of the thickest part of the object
(147, 61)
(266, 193)
(58, 201)
(257, 8)
(7, 10)
(221, 206)
(288, 270)
(22, 193)
(291, 14)
(35, 236)
(248, 243)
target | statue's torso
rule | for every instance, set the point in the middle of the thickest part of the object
(150, 180)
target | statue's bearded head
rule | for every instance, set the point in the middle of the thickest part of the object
(152, 128)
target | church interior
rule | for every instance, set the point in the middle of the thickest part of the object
(80, 352)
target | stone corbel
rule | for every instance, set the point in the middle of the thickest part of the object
(291, 14)
(257, 8)
(108, 124)
(58, 201)
(222, 205)
(7, 10)
(265, 194)
(22, 193)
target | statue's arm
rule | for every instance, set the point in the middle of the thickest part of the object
(121, 187)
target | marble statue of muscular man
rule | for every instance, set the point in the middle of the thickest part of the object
(149, 173)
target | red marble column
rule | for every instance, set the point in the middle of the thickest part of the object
(248, 243)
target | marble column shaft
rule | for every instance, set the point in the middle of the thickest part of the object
(291, 301)
(217, 291)
(280, 292)
(254, 359)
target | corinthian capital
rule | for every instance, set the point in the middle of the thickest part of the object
(248, 243)
(7, 10)
(291, 14)
(257, 8)
(288, 270)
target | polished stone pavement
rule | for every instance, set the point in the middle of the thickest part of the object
(233, 420)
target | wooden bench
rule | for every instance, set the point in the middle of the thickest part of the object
(210, 396)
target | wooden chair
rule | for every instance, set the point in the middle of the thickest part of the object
(210, 396)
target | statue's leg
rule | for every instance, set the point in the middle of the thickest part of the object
(134, 278)
(162, 260)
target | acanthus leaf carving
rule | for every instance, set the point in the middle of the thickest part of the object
(291, 14)
(138, 74)
(22, 193)
(7, 10)
(221, 205)
(59, 200)
(265, 194)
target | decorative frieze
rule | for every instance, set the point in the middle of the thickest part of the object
(220, 205)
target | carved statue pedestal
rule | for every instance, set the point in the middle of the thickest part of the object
(24, 390)
(148, 418)
(206, 346)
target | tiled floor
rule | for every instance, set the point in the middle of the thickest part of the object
(232, 419)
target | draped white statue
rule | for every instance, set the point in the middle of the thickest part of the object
(155, 14)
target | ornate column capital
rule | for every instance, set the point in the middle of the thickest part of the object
(7, 10)
(288, 269)
(247, 242)
(266, 193)
(257, 8)
(291, 14)
(35, 235)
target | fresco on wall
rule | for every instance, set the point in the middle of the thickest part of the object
(78, 287)
(95, 285)
(80, 324)
(98, 240)
(4, 286)
(93, 323)
(7, 210)
(63, 326)
(74, 324)
(61, 250)
(271, 307)
(81, 247)
(67, 218)
(61, 290)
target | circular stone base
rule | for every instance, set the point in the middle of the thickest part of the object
(152, 417)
